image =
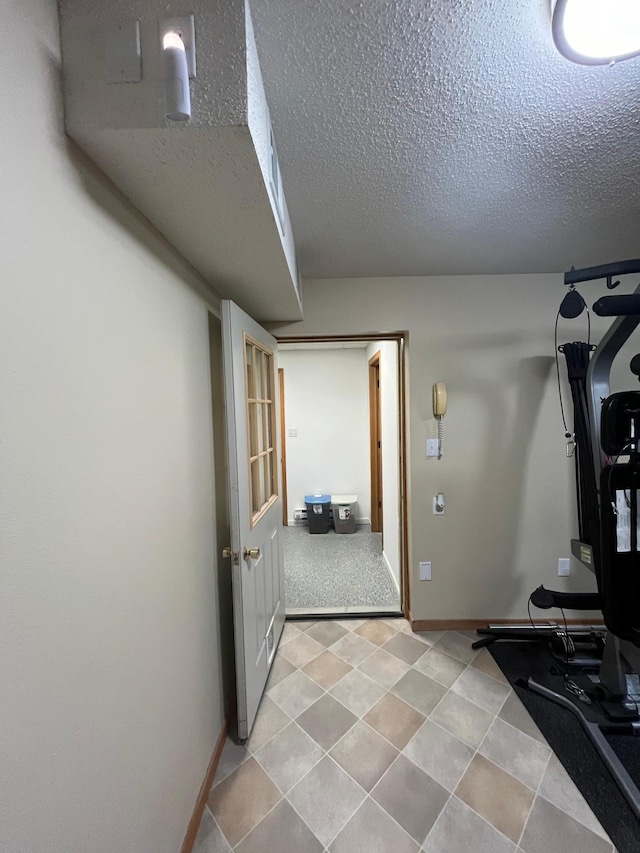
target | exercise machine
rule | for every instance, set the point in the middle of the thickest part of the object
(603, 690)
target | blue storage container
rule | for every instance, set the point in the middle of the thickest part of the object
(318, 507)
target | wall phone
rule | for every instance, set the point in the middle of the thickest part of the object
(439, 400)
(439, 411)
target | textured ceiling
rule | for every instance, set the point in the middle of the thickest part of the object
(447, 136)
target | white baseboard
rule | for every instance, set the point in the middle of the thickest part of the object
(395, 580)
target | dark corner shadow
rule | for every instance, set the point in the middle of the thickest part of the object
(104, 193)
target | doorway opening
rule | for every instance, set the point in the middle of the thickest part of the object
(343, 484)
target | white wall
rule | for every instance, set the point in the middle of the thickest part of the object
(327, 401)
(109, 657)
(508, 485)
(389, 406)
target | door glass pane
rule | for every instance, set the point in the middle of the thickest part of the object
(268, 378)
(267, 475)
(255, 486)
(268, 417)
(249, 354)
(259, 378)
(260, 427)
(253, 429)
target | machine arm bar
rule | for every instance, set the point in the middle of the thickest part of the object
(626, 305)
(602, 271)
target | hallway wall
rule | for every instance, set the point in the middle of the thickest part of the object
(508, 485)
(327, 401)
(110, 654)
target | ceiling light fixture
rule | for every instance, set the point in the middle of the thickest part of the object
(596, 32)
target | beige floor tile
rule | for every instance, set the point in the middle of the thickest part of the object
(210, 838)
(463, 719)
(326, 798)
(327, 669)
(440, 667)
(400, 624)
(384, 668)
(496, 796)
(241, 801)
(514, 713)
(485, 663)
(350, 624)
(439, 754)
(289, 756)
(326, 632)
(558, 787)
(481, 689)
(371, 830)
(280, 669)
(270, 720)
(353, 648)
(289, 632)
(548, 826)
(304, 624)
(301, 650)
(376, 631)
(429, 638)
(411, 797)
(456, 646)
(405, 648)
(516, 752)
(364, 754)
(358, 692)
(233, 755)
(394, 720)
(295, 693)
(282, 830)
(419, 691)
(327, 720)
(461, 830)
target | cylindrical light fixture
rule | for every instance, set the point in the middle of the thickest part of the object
(176, 78)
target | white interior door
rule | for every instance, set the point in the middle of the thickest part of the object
(255, 507)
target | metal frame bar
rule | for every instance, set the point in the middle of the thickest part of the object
(621, 777)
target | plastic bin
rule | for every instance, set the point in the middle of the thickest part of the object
(318, 512)
(344, 513)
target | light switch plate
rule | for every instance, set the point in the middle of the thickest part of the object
(564, 567)
(432, 447)
(122, 54)
(425, 571)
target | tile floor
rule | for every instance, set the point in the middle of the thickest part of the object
(371, 738)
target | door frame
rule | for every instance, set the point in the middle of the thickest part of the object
(283, 451)
(375, 443)
(401, 338)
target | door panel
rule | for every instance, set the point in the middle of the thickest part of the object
(255, 507)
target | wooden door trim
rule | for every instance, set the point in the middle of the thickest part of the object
(283, 449)
(375, 440)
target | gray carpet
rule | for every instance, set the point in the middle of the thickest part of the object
(336, 569)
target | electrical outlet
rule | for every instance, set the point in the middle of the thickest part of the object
(564, 567)
(293, 433)
(425, 571)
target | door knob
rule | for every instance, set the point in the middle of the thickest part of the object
(226, 553)
(251, 553)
